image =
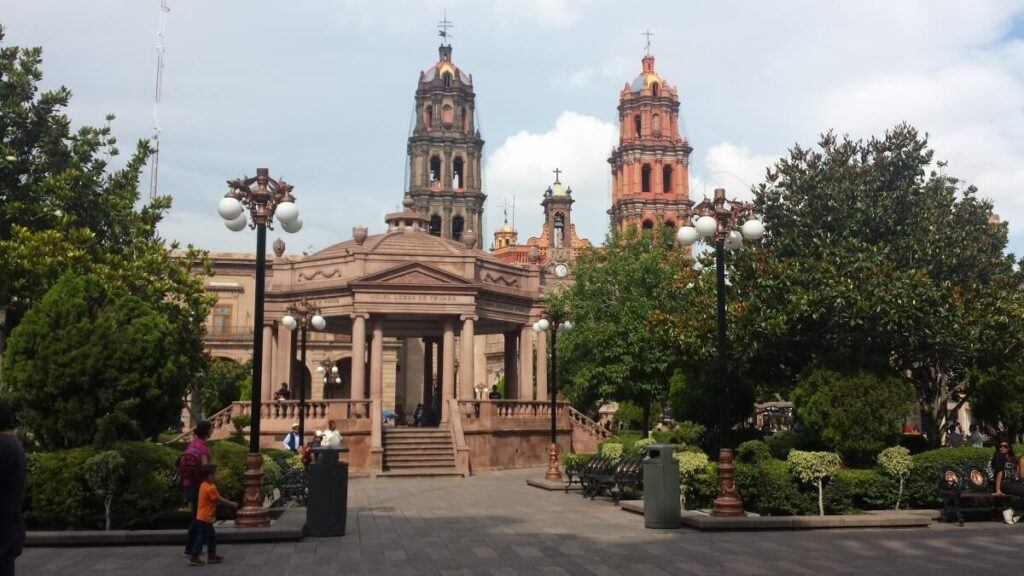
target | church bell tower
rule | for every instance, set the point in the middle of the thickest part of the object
(444, 151)
(650, 166)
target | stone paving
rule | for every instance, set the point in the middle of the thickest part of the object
(493, 524)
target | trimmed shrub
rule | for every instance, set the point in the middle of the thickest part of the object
(814, 468)
(897, 464)
(56, 493)
(626, 438)
(104, 473)
(922, 486)
(576, 460)
(769, 489)
(229, 458)
(147, 494)
(691, 466)
(611, 449)
(685, 432)
(850, 490)
(782, 442)
(753, 451)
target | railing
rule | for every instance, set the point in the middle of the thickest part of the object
(229, 334)
(502, 409)
(218, 420)
(581, 420)
(289, 409)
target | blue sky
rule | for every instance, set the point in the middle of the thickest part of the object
(322, 92)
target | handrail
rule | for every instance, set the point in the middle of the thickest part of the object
(218, 419)
(588, 424)
(462, 459)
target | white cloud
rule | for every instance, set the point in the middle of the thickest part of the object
(521, 167)
(732, 167)
(546, 13)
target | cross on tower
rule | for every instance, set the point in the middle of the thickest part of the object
(444, 25)
(557, 172)
(648, 34)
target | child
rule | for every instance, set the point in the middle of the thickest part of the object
(206, 514)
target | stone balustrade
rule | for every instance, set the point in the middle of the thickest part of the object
(316, 410)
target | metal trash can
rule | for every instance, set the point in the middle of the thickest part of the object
(327, 502)
(661, 487)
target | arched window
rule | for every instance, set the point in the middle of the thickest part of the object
(435, 225)
(645, 178)
(636, 125)
(465, 120)
(559, 232)
(654, 89)
(648, 225)
(457, 226)
(446, 79)
(435, 168)
(457, 173)
(666, 179)
(670, 224)
(428, 116)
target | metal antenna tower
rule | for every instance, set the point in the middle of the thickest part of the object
(154, 168)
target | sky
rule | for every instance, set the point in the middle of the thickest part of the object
(321, 93)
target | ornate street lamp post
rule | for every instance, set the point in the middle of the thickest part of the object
(303, 315)
(264, 198)
(718, 221)
(554, 325)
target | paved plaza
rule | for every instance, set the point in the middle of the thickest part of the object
(494, 524)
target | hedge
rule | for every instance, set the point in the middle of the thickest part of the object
(58, 497)
(922, 486)
(770, 489)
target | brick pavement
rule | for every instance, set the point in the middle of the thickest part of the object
(494, 524)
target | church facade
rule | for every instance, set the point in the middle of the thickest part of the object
(423, 324)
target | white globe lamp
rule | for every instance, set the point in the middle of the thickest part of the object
(687, 235)
(289, 322)
(318, 322)
(543, 324)
(292, 226)
(752, 230)
(734, 240)
(287, 212)
(706, 226)
(229, 208)
(238, 224)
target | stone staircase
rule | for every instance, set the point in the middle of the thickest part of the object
(419, 452)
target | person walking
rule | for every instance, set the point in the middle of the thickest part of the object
(12, 489)
(190, 465)
(206, 534)
(1006, 468)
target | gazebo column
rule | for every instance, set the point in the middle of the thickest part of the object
(542, 365)
(267, 375)
(358, 385)
(428, 382)
(525, 363)
(376, 395)
(467, 367)
(447, 368)
(511, 365)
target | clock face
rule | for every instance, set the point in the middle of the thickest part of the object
(561, 270)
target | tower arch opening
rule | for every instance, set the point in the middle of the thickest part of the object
(559, 230)
(446, 79)
(654, 89)
(428, 116)
(645, 178)
(435, 168)
(457, 169)
(636, 125)
(458, 225)
(666, 179)
(648, 224)
(434, 229)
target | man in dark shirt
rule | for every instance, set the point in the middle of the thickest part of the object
(284, 393)
(12, 487)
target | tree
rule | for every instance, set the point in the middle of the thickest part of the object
(85, 353)
(219, 384)
(896, 462)
(854, 412)
(814, 468)
(62, 209)
(872, 250)
(996, 395)
(618, 350)
(104, 472)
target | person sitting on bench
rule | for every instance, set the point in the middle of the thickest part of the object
(1007, 479)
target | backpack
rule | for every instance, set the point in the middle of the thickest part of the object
(187, 468)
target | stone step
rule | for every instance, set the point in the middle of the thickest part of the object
(419, 435)
(417, 442)
(421, 464)
(415, 472)
(441, 450)
(431, 458)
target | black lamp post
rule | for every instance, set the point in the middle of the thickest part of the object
(303, 315)
(264, 198)
(553, 325)
(718, 221)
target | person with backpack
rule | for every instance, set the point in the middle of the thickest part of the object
(190, 464)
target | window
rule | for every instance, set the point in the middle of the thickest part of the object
(446, 79)
(457, 173)
(648, 225)
(645, 178)
(435, 169)
(435, 225)
(636, 125)
(559, 239)
(222, 316)
(465, 120)
(670, 225)
(656, 125)
(654, 89)
(666, 179)
(447, 116)
(457, 226)
(428, 116)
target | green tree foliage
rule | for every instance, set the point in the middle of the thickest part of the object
(618, 349)
(996, 394)
(872, 250)
(62, 209)
(103, 473)
(856, 413)
(897, 464)
(220, 383)
(84, 353)
(814, 468)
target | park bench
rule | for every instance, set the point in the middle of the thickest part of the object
(629, 476)
(597, 474)
(967, 484)
(573, 471)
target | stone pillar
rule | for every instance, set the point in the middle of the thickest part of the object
(447, 368)
(428, 380)
(376, 395)
(267, 375)
(525, 363)
(542, 366)
(358, 357)
(511, 367)
(467, 368)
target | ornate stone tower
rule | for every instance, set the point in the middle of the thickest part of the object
(650, 166)
(444, 152)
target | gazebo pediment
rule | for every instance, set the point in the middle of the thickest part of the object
(411, 274)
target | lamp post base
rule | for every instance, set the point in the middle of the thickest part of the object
(728, 502)
(553, 473)
(252, 514)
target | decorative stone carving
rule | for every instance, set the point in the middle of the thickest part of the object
(469, 238)
(318, 274)
(278, 247)
(359, 234)
(494, 278)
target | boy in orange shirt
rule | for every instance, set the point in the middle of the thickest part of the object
(206, 514)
